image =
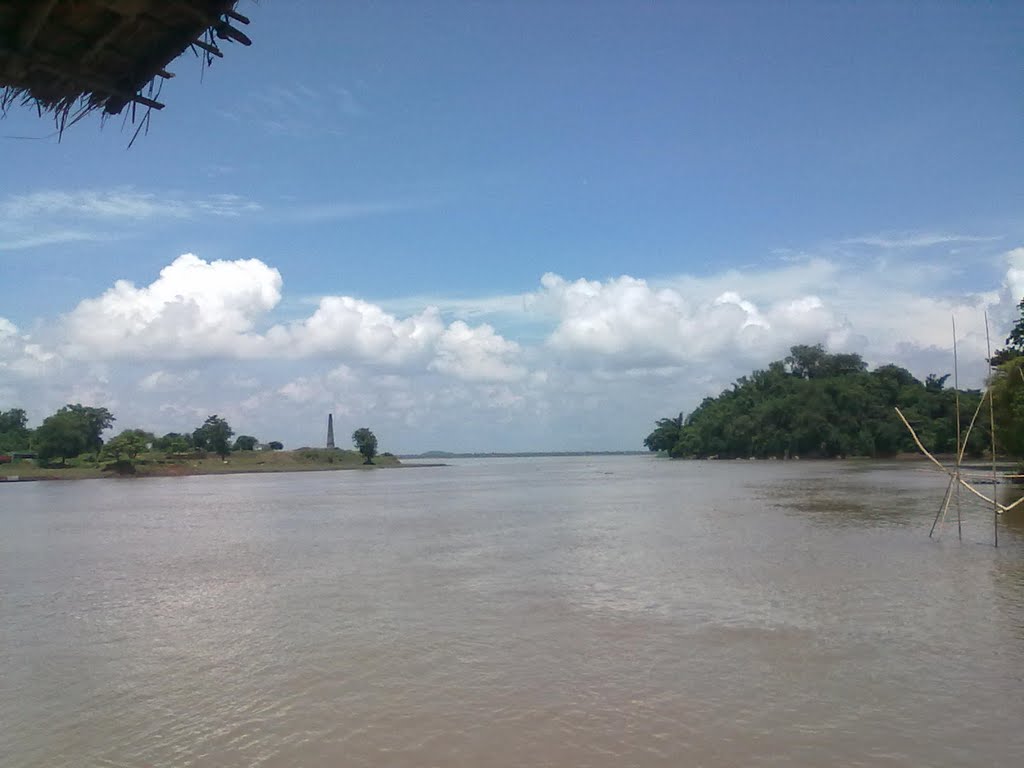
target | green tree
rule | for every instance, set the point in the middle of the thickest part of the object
(214, 435)
(14, 431)
(92, 422)
(59, 436)
(1014, 341)
(666, 434)
(245, 443)
(275, 445)
(1007, 383)
(366, 443)
(131, 442)
(173, 442)
(805, 361)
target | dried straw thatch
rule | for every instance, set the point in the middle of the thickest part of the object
(70, 57)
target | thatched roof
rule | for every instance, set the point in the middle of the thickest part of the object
(83, 55)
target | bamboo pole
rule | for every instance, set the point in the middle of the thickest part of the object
(936, 462)
(956, 475)
(959, 450)
(942, 508)
(970, 426)
(992, 427)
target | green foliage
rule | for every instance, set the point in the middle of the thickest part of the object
(275, 445)
(665, 436)
(1014, 342)
(245, 443)
(73, 435)
(808, 362)
(817, 404)
(129, 443)
(1008, 402)
(366, 443)
(91, 422)
(173, 442)
(14, 431)
(214, 435)
(59, 436)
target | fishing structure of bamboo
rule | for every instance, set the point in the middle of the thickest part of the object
(957, 479)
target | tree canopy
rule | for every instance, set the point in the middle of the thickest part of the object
(14, 431)
(173, 442)
(75, 431)
(214, 435)
(60, 436)
(245, 443)
(1007, 386)
(92, 422)
(72, 430)
(1007, 383)
(130, 443)
(366, 443)
(814, 403)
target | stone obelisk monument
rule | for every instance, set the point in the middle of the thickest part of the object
(330, 430)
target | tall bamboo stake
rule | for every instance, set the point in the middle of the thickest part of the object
(941, 513)
(970, 426)
(949, 473)
(956, 476)
(959, 450)
(992, 427)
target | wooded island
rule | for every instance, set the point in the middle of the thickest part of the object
(814, 404)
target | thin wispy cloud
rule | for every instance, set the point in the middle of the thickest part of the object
(90, 204)
(513, 308)
(917, 240)
(298, 110)
(53, 217)
(119, 203)
(55, 237)
(342, 209)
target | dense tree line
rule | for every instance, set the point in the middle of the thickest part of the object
(77, 430)
(1007, 387)
(816, 404)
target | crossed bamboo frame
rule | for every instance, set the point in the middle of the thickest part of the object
(956, 477)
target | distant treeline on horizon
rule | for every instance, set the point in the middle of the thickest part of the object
(514, 454)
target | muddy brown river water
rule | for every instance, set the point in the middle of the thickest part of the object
(604, 612)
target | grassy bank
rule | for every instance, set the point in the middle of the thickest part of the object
(160, 465)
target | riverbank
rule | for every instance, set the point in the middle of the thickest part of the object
(241, 462)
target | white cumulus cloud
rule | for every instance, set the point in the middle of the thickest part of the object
(342, 325)
(477, 354)
(581, 363)
(625, 322)
(194, 308)
(213, 309)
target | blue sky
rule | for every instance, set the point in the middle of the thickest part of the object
(375, 192)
